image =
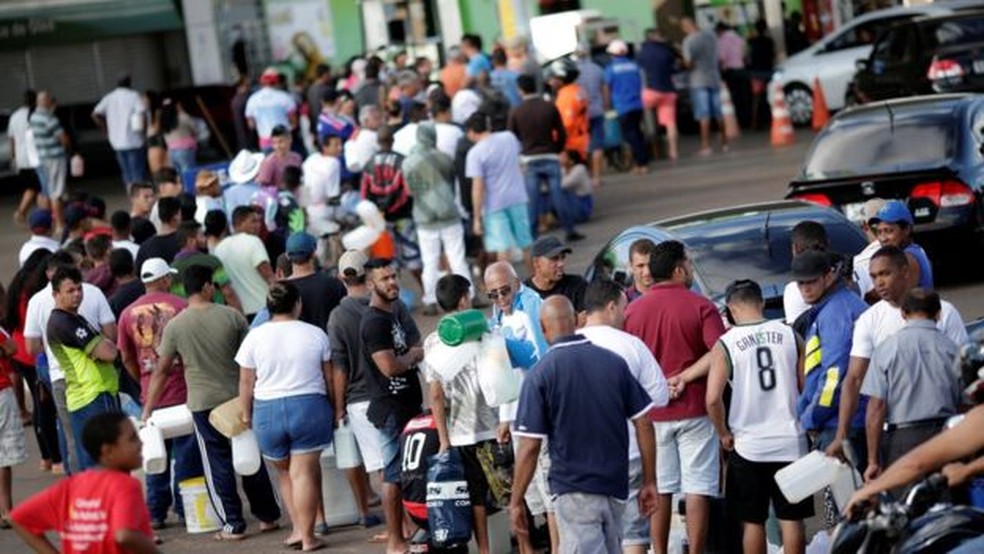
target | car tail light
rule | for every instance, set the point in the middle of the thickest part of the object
(944, 69)
(944, 194)
(815, 198)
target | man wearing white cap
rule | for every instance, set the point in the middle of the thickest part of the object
(141, 327)
(269, 107)
(242, 173)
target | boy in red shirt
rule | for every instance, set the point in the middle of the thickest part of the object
(99, 511)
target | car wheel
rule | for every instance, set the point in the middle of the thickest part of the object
(799, 102)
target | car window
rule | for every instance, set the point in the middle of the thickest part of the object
(877, 144)
(864, 34)
(960, 31)
(895, 47)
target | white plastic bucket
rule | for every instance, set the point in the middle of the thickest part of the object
(174, 421)
(154, 454)
(346, 449)
(360, 238)
(199, 515)
(339, 502)
(807, 475)
(246, 453)
(496, 377)
(845, 483)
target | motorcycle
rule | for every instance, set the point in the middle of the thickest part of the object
(923, 522)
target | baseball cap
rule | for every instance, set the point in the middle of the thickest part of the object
(74, 214)
(810, 265)
(155, 268)
(894, 211)
(301, 245)
(353, 261)
(548, 247)
(39, 219)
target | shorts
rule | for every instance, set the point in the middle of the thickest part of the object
(688, 457)
(30, 179)
(663, 102)
(369, 438)
(293, 425)
(588, 522)
(752, 485)
(13, 450)
(390, 449)
(55, 173)
(596, 133)
(538, 498)
(706, 103)
(404, 233)
(507, 228)
(635, 526)
(478, 483)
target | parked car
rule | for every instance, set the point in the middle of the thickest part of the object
(833, 59)
(924, 55)
(750, 242)
(924, 150)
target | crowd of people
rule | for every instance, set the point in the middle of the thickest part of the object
(238, 292)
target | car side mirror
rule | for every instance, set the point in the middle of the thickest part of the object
(861, 65)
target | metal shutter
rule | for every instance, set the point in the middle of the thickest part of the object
(16, 81)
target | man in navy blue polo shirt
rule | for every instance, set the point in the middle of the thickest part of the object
(578, 397)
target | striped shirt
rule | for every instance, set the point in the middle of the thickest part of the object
(47, 132)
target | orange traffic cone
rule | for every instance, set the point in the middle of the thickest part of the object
(782, 126)
(731, 129)
(821, 115)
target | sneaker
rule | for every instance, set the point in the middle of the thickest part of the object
(574, 236)
(321, 529)
(371, 520)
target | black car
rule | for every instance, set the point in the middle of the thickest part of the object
(922, 56)
(744, 242)
(925, 151)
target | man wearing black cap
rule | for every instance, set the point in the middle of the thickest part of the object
(548, 279)
(833, 311)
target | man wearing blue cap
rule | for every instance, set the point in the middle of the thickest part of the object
(40, 224)
(894, 226)
(320, 293)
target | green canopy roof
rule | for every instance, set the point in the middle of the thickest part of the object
(25, 24)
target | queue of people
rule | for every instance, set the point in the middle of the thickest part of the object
(201, 298)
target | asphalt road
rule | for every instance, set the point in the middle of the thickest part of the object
(751, 172)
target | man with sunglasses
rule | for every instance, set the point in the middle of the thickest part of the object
(549, 278)
(516, 312)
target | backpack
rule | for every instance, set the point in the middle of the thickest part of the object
(383, 184)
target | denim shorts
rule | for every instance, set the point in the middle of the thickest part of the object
(293, 425)
(596, 133)
(588, 522)
(508, 228)
(706, 103)
(688, 457)
(390, 447)
(635, 526)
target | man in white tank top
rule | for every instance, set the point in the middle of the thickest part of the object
(763, 361)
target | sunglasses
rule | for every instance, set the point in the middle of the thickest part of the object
(496, 293)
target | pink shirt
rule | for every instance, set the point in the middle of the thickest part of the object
(731, 50)
(140, 330)
(272, 168)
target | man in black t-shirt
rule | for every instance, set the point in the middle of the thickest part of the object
(548, 279)
(392, 352)
(165, 243)
(320, 292)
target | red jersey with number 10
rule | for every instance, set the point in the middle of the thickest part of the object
(418, 443)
